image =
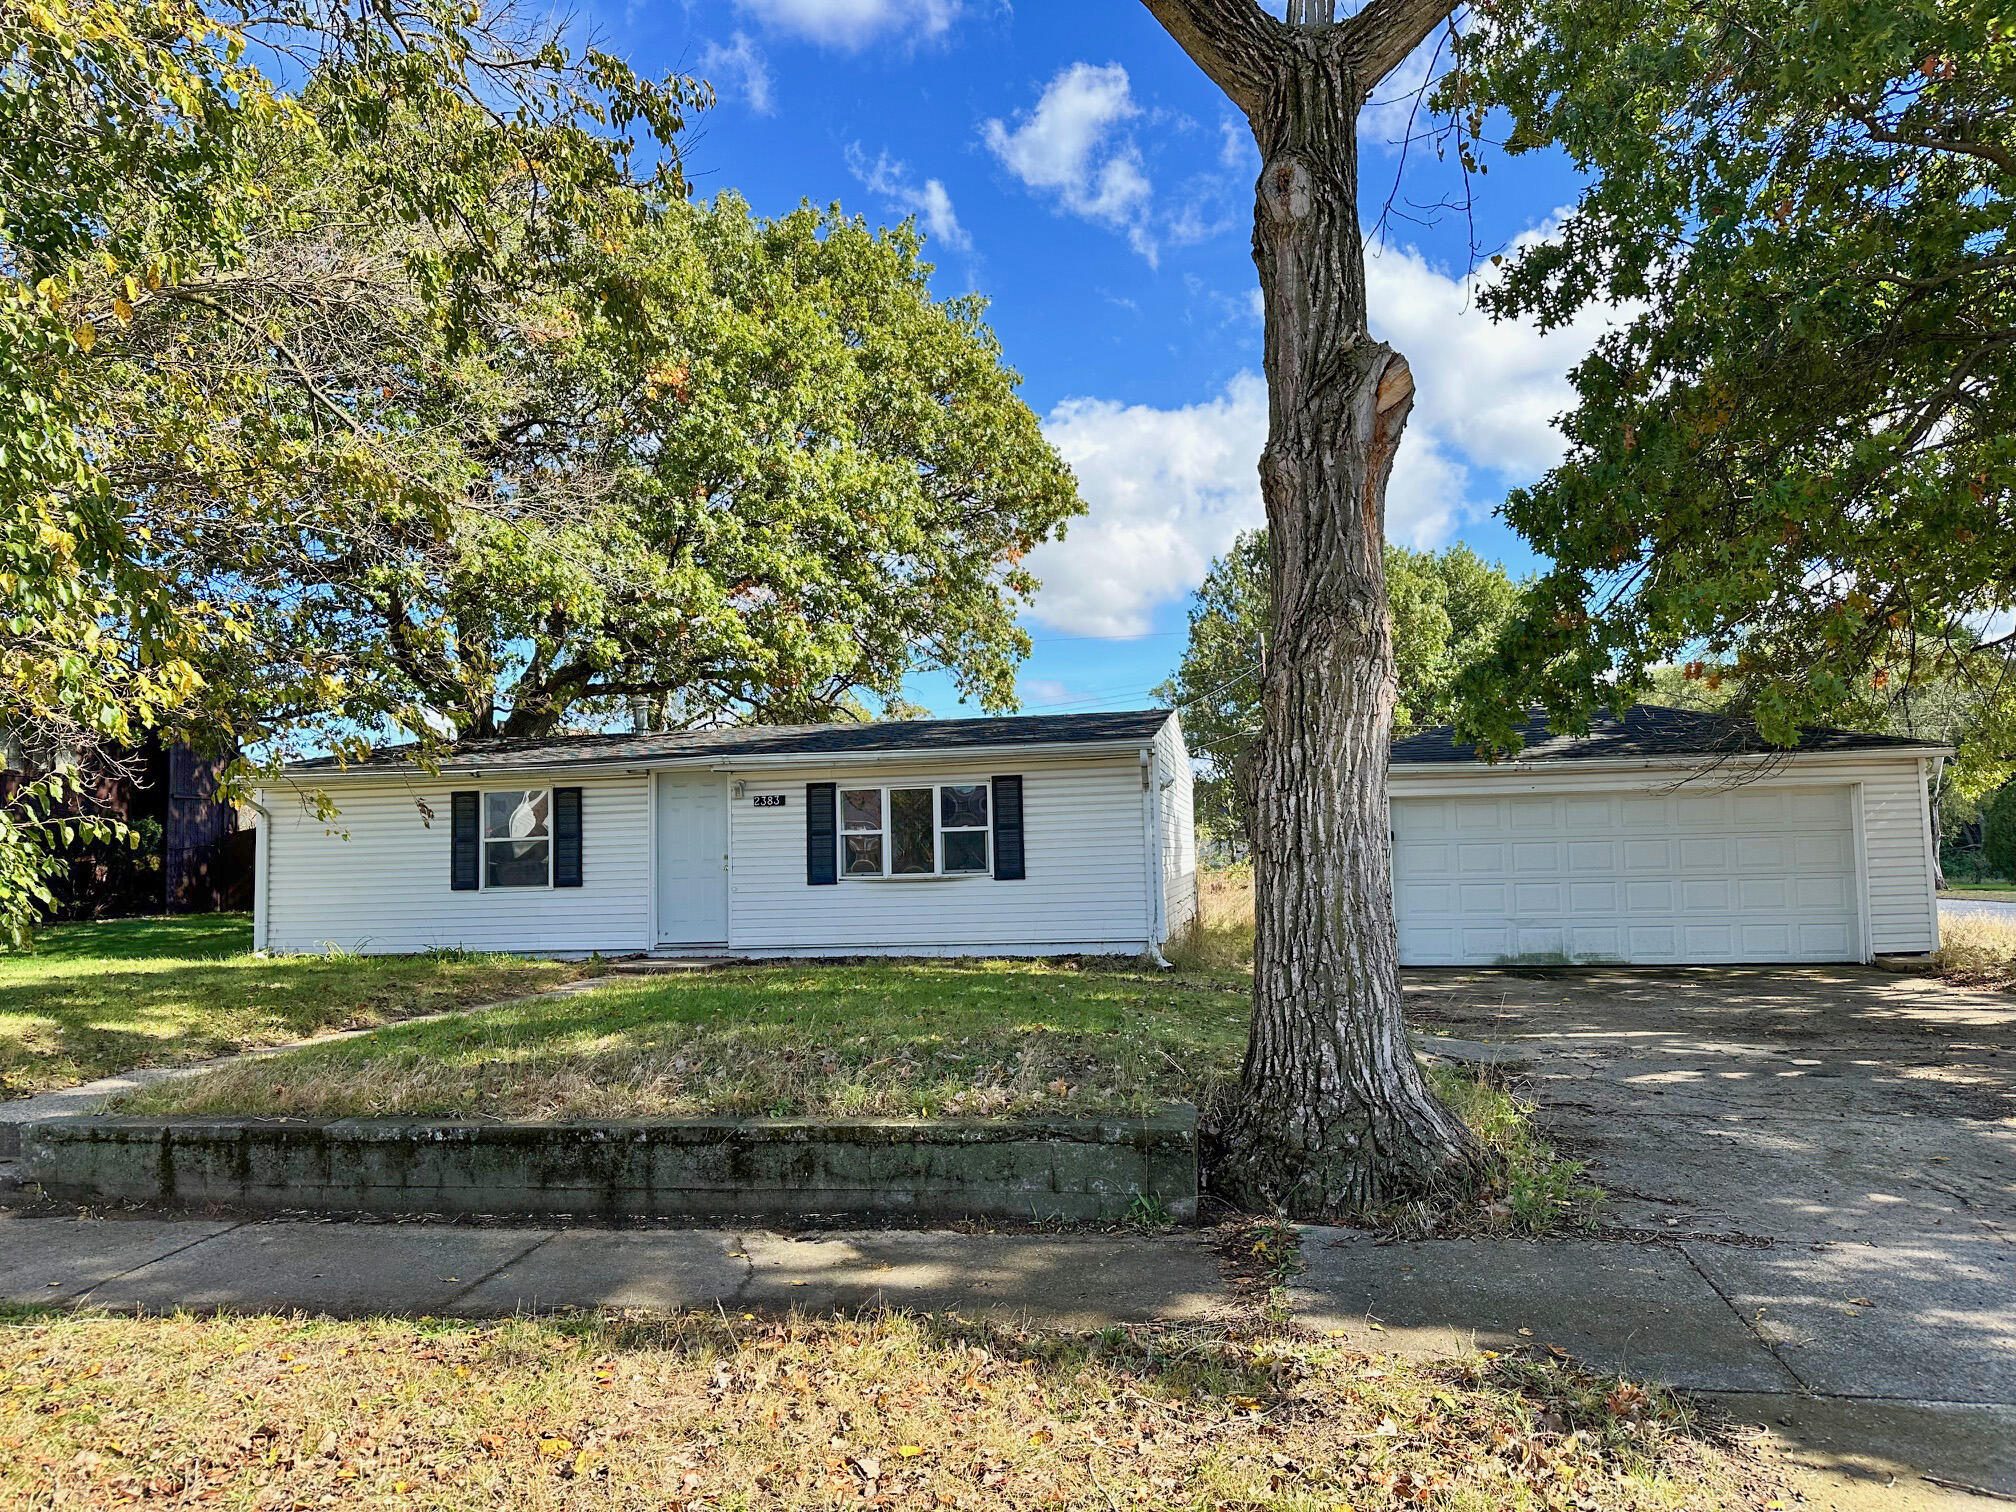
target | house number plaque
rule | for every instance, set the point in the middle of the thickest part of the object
(768, 800)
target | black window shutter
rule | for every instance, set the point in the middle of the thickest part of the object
(821, 865)
(1008, 860)
(566, 837)
(465, 843)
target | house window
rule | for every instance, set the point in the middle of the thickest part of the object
(518, 839)
(942, 830)
(861, 832)
(962, 821)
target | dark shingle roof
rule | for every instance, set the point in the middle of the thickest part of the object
(924, 735)
(1647, 731)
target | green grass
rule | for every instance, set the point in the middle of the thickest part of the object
(1986, 890)
(1538, 1192)
(938, 1039)
(88, 1000)
(726, 1410)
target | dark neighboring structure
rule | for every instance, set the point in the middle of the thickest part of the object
(206, 861)
(192, 857)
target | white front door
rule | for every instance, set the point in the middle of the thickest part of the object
(692, 858)
(1742, 874)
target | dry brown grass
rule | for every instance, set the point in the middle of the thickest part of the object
(1977, 950)
(726, 1411)
(1220, 938)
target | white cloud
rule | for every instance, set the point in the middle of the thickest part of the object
(1487, 390)
(928, 201)
(853, 24)
(1169, 488)
(738, 71)
(1074, 144)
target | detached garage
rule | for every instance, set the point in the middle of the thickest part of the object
(1666, 837)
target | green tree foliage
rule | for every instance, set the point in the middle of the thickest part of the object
(1998, 832)
(1447, 608)
(1795, 455)
(732, 468)
(402, 399)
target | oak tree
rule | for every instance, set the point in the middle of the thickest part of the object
(1793, 459)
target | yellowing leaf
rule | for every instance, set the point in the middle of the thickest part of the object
(909, 1451)
(85, 337)
(556, 1448)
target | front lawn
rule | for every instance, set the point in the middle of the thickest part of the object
(87, 1000)
(944, 1038)
(718, 1411)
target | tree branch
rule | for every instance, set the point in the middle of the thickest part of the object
(1233, 41)
(1378, 39)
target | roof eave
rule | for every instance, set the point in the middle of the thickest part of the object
(725, 762)
(1643, 763)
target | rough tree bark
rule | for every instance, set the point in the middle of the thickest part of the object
(1333, 1115)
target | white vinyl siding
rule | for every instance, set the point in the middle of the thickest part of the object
(1086, 888)
(1645, 867)
(1896, 823)
(374, 878)
(1178, 839)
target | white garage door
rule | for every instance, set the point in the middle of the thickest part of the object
(1750, 874)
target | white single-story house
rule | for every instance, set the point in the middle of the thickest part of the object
(1666, 837)
(1060, 834)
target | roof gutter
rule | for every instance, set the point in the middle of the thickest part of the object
(717, 761)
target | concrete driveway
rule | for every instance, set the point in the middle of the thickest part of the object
(1813, 1183)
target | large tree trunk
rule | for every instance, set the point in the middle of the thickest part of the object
(1334, 1115)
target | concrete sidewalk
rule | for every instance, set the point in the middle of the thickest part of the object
(1853, 1409)
(361, 1269)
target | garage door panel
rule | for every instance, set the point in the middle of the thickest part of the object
(1704, 853)
(1650, 898)
(1581, 814)
(1754, 874)
(1652, 942)
(1593, 855)
(1606, 940)
(1832, 942)
(1426, 897)
(1586, 898)
(1643, 855)
(1823, 853)
(1761, 894)
(1705, 895)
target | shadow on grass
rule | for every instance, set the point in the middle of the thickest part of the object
(186, 937)
(91, 1000)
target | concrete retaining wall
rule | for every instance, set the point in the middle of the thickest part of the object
(711, 1167)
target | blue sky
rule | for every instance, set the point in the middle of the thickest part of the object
(1069, 162)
